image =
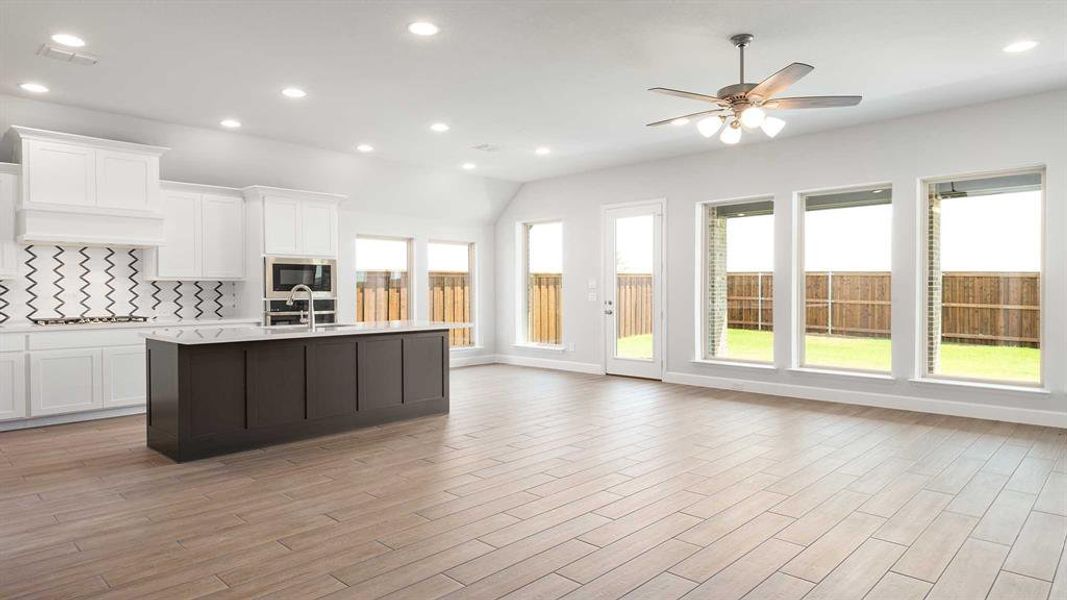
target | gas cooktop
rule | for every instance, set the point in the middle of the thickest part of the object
(90, 320)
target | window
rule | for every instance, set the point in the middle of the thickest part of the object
(451, 287)
(383, 288)
(983, 278)
(847, 258)
(738, 251)
(542, 273)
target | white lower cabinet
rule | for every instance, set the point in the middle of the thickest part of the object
(12, 385)
(123, 377)
(63, 381)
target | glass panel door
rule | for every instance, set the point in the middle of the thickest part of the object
(632, 303)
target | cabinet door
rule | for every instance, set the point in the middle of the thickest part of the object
(319, 228)
(180, 258)
(381, 373)
(123, 376)
(281, 226)
(8, 248)
(223, 237)
(125, 181)
(12, 385)
(63, 381)
(59, 174)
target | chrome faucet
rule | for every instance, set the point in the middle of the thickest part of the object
(311, 303)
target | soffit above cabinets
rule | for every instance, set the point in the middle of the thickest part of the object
(76, 189)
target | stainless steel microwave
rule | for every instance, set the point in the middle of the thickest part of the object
(281, 274)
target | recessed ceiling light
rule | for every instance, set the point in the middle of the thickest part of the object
(230, 123)
(36, 88)
(294, 92)
(877, 191)
(423, 28)
(440, 127)
(365, 148)
(543, 150)
(468, 166)
(680, 121)
(68, 39)
(1020, 46)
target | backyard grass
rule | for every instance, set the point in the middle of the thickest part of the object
(1007, 363)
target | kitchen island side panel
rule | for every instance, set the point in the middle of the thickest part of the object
(237, 396)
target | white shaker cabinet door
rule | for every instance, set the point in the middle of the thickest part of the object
(127, 181)
(281, 226)
(123, 377)
(179, 257)
(59, 174)
(223, 236)
(319, 229)
(63, 381)
(12, 385)
(9, 184)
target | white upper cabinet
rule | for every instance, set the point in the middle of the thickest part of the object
(297, 223)
(82, 190)
(281, 226)
(9, 189)
(59, 174)
(204, 235)
(318, 228)
(127, 181)
(223, 245)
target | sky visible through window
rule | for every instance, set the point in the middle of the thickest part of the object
(377, 254)
(450, 258)
(971, 237)
(545, 245)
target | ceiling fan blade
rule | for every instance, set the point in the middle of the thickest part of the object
(689, 95)
(697, 114)
(812, 102)
(778, 82)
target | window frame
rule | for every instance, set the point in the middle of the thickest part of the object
(701, 302)
(522, 257)
(920, 372)
(472, 273)
(798, 305)
(410, 242)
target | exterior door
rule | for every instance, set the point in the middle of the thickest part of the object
(633, 290)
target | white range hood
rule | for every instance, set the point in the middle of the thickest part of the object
(88, 191)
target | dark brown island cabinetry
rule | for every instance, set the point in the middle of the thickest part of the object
(209, 399)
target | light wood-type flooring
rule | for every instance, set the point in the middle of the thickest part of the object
(544, 484)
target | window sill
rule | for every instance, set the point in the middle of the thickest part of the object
(734, 363)
(548, 347)
(843, 372)
(1003, 387)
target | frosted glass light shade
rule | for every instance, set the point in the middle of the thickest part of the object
(708, 126)
(753, 117)
(730, 135)
(772, 126)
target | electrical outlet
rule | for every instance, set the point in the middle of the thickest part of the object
(592, 296)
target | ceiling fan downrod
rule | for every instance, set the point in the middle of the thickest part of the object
(741, 41)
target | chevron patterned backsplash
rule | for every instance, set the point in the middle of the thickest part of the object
(74, 281)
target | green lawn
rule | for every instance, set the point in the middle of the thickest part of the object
(1008, 363)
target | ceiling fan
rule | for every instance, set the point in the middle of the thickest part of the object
(745, 105)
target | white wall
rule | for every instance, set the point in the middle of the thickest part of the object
(1008, 134)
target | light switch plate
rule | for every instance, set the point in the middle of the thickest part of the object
(592, 296)
(592, 284)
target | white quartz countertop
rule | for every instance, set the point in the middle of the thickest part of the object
(150, 324)
(222, 335)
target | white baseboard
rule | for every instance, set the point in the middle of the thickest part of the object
(106, 413)
(1027, 416)
(469, 361)
(548, 363)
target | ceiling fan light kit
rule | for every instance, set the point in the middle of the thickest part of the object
(745, 105)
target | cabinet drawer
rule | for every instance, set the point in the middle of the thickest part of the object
(85, 339)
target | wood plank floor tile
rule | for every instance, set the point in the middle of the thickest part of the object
(543, 484)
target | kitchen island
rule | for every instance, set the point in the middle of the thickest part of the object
(217, 390)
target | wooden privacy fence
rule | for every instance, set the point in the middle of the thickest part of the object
(633, 304)
(450, 301)
(544, 298)
(977, 307)
(383, 296)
